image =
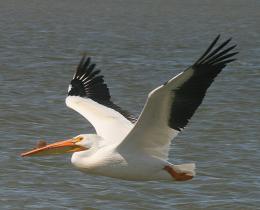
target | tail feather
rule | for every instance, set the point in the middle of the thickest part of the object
(187, 168)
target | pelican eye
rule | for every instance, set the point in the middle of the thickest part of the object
(79, 138)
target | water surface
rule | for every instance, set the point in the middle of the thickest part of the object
(138, 45)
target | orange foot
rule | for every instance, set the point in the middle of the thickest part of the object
(176, 175)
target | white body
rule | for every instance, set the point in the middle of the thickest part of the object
(124, 150)
(139, 151)
(109, 162)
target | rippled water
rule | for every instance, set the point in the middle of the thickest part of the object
(138, 45)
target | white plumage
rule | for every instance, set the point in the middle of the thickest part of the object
(107, 121)
(132, 149)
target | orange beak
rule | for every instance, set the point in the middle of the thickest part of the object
(57, 148)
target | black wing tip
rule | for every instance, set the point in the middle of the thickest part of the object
(87, 82)
(83, 65)
(217, 38)
(217, 54)
(193, 90)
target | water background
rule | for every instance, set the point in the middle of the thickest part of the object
(138, 45)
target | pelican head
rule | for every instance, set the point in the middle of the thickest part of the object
(76, 144)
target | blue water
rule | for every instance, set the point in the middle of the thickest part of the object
(138, 45)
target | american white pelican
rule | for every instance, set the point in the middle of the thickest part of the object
(131, 149)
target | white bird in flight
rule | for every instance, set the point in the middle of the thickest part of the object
(130, 149)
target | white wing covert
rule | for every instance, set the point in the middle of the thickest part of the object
(170, 106)
(89, 96)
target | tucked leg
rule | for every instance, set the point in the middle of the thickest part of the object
(177, 175)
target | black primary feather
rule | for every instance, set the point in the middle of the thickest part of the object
(87, 83)
(190, 94)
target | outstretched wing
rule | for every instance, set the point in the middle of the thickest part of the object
(89, 95)
(170, 106)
